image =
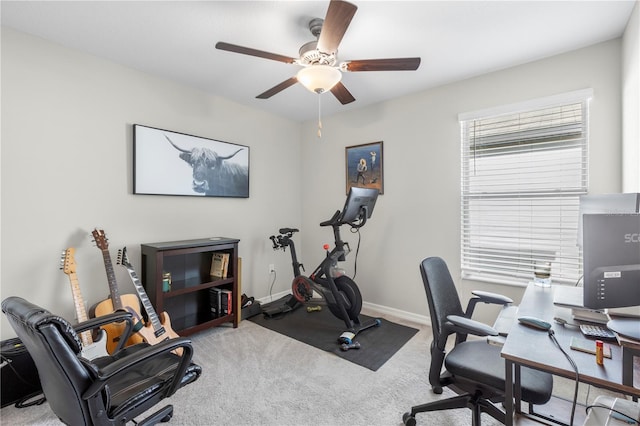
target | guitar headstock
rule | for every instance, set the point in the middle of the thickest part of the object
(100, 238)
(67, 262)
(123, 259)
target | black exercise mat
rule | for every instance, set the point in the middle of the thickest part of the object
(322, 329)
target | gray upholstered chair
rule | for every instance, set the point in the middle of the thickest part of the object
(474, 369)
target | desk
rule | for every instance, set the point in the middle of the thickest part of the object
(532, 348)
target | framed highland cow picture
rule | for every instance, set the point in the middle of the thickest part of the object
(172, 163)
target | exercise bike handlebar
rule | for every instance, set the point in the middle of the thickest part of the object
(333, 221)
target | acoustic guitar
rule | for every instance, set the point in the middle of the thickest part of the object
(90, 348)
(158, 329)
(115, 302)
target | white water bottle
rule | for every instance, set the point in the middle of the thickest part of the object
(336, 271)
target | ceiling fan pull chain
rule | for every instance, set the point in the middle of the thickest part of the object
(319, 115)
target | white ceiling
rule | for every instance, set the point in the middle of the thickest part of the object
(455, 39)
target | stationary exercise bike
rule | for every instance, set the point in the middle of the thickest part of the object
(340, 292)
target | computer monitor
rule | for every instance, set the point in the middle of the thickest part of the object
(611, 260)
(360, 201)
(607, 204)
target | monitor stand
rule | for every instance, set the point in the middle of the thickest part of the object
(627, 327)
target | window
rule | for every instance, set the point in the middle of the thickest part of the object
(523, 169)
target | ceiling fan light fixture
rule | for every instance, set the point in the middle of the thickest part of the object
(319, 78)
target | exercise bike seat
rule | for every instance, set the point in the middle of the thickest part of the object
(287, 230)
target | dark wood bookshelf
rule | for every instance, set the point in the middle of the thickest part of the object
(189, 262)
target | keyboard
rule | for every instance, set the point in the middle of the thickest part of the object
(597, 332)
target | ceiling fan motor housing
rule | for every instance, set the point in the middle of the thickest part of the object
(310, 55)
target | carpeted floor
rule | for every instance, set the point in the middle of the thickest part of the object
(321, 329)
(254, 376)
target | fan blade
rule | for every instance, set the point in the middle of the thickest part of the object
(397, 64)
(335, 24)
(342, 94)
(278, 88)
(253, 52)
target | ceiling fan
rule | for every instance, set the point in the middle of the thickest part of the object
(318, 58)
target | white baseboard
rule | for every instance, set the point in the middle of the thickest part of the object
(273, 297)
(380, 309)
(409, 316)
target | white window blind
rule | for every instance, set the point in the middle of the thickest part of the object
(522, 175)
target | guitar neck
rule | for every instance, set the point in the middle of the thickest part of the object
(146, 303)
(81, 311)
(111, 278)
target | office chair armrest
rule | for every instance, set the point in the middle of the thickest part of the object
(468, 326)
(121, 365)
(485, 297)
(92, 323)
(113, 317)
(488, 297)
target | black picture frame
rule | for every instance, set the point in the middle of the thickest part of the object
(369, 155)
(173, 163)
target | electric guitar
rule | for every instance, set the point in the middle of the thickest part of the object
(158, 329)
(90, 349)
(115, 302)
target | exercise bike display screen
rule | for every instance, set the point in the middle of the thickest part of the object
(358, 199)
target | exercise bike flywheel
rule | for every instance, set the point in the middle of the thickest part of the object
(351, 298)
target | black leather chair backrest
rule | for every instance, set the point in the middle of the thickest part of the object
(54, 346)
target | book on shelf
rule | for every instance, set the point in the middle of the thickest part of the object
(214, 301)
(225, 270)
(219, 265)
(221, 301)
(226, 302)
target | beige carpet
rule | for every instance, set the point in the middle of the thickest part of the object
(254, 376)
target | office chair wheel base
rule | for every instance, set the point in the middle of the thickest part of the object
(166, 418)
(437, 389)
(408, 419)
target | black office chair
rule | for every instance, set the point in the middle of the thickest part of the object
(107, 390)
(474, 369)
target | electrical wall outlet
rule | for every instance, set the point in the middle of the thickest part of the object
(272, 268)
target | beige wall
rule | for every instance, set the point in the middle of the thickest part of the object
(418, 215)
(631, 103)
(67, 168)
